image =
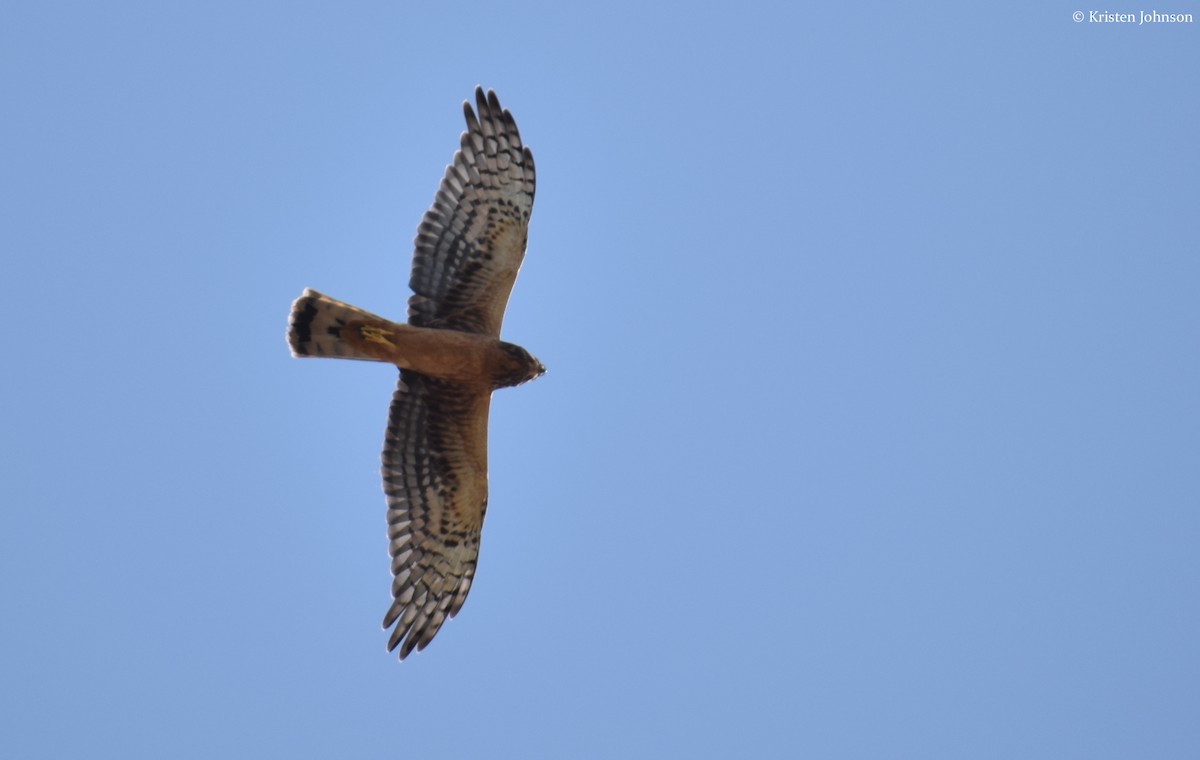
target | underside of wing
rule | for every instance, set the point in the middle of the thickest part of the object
(470, 244)
(435, 478)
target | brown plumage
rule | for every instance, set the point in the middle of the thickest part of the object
(469, 248)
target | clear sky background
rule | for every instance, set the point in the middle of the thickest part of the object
(872, 420)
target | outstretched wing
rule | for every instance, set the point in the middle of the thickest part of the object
(471, 242)
(435, 478)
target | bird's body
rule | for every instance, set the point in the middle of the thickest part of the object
(469, 248)
(323, 326)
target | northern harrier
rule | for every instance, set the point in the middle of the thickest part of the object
(468, 250)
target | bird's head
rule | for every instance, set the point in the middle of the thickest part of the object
(519, 366)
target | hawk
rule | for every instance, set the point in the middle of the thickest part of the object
(469, 248)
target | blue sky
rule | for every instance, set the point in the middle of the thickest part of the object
(870, 427)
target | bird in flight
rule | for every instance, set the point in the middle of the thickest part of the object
(469, 248)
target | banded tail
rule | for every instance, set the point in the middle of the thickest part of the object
(315, 328)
